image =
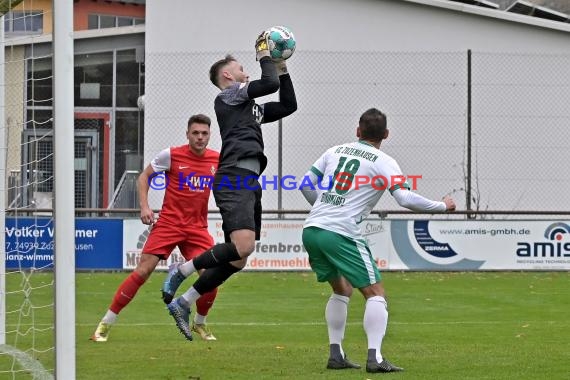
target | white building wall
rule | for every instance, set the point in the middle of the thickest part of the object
(404, 57)
(340, 25)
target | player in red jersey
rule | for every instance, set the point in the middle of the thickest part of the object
(186, 171)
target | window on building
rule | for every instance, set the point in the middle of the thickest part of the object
(24, 22)
(129, 138)
(95, 21)
(92, 22)
(39, 82)
(107, 82)
(93, 79)
(124, 21)
(107, 22)
(130, 78)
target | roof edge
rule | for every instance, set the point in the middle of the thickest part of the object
(502, 15)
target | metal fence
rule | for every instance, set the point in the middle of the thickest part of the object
(490, 128)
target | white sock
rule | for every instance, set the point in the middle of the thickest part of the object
(191, 296)
(199, 319)
(335, 314)
(109, 317)
(187, 268)
(375, 322)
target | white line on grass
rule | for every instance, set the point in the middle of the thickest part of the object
(348, 323)
(27, 363)
(443, 323)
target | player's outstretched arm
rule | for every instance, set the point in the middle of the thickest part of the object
(449, 203)
(310, 191)
(262, 46)
(409, 199)
(267, 84)
(309, 194)
(416, 202)
(287, 103)
(143, 186)
(269, 81)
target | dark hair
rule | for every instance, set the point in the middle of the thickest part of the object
(199, 119)
(372, 125)
(215, 69)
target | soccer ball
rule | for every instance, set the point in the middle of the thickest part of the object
(281, 43)
(141, 102)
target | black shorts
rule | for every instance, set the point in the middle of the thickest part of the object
(238, 196)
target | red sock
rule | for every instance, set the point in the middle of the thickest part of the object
(126, 292)
(205, 302)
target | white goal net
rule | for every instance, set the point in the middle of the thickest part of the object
(27, 279)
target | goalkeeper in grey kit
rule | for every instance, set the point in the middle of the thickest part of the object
(236, 188)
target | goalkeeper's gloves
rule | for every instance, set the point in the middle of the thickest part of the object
(262, 46)
(281, 67)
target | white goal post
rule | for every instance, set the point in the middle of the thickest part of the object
(64, 206)
(63, 344)
(3, 152)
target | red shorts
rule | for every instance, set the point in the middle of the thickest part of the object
(191, 241)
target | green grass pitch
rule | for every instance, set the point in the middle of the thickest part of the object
(477, 325)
